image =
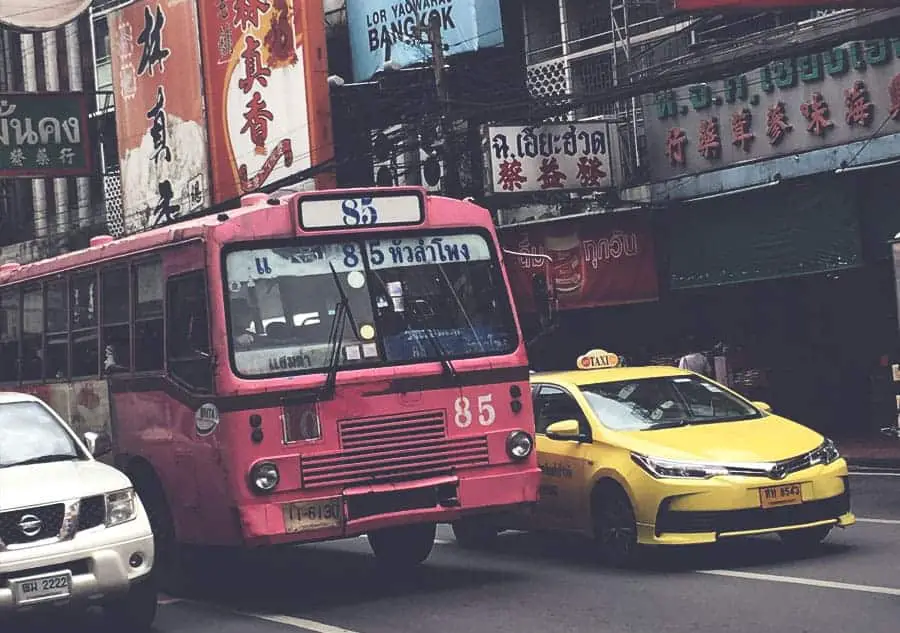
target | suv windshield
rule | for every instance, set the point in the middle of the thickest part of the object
(29, 434)
(662, 402)
(410, 299)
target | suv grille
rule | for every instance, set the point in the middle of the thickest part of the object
(28, 525)
(92, 512)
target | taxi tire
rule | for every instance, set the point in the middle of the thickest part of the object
(403, 546)
(136, 610)
(805, 539)
(615, 527)
(474, 533)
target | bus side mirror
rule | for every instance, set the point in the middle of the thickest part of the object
(544, 301)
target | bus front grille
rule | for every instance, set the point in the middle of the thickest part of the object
(398, 448)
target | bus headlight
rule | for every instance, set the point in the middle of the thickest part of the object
(519, 445)
(264, 477)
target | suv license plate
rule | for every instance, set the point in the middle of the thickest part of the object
(41, 588)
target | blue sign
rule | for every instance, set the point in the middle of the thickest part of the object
(466, 26)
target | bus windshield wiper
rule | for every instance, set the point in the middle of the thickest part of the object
(433, 338)
(336, 336)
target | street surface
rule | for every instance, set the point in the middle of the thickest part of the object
(531, 584)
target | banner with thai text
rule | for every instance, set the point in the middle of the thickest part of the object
(601, 260)
(159, 112)
(266, 76)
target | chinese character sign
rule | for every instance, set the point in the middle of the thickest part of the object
(837, 96)
(266, 73)
(552, 157)
(159, 113)
(44, 135)
(466, 26)
(608, 259)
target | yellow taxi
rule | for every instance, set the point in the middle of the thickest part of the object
(661, 456)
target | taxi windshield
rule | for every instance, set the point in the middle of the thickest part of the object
(412, 298)
(653, 403)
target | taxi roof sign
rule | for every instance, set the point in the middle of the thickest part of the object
(598, 359)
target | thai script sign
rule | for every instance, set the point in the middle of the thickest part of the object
(553, 157)
(797, 104)
(607, 259)
(159, 113)
(29, 15)
(466, 26)
(265, 70)
(44, 135)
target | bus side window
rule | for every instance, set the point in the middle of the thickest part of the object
(85, 346)
(148, 316)
(56, 364)
(116, 320)
(187, 331)
(10, 334)
(33, 334)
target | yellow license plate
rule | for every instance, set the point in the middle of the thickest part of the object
(303, 516)
(786, 495)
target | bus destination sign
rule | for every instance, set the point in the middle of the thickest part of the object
(360, 209)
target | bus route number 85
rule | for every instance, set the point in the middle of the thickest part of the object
(464, 414)
(359, 211)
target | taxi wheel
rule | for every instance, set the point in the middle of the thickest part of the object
(615, 528)
(805, 539)
(474, 533)
(403, 546)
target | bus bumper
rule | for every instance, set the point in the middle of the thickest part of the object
(368, 508)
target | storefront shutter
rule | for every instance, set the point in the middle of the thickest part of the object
(794, 228)
(880, 209)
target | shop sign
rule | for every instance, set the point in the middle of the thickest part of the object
(602, 260)
(767, 5)
(562, 156)
(159, 113)
(791, 105)
(265, 71)
(44, 135)
(401, 26)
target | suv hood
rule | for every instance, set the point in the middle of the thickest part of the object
(768, 439)
(42, 484)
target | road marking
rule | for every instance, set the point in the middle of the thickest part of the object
(810, 582)
(298, 623)
(881, 521)
(444, 541)
(872, 473)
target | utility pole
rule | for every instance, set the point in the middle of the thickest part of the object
(451, 165)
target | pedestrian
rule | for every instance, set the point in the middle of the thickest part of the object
(694, 359)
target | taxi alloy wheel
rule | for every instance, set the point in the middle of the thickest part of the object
(805, 539)
(615, 528)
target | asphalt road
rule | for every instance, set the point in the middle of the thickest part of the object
(531, 584)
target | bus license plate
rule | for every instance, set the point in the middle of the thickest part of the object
(41, 588)
(303, 516)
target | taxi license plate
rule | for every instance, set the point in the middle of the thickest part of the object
(313, 515)
(41, 588)
(775, 496)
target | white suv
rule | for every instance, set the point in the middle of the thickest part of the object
(72, 530)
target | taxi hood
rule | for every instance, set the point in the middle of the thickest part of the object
(42, 484)
(767, 439)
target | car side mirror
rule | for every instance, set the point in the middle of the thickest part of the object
(763, 406)
(98, 444)
(564, 430)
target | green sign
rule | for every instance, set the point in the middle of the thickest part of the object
(44, 135)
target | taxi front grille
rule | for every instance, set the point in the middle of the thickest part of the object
(721, 521)
(392, 449)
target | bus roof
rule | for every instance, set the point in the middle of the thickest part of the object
(105, 248)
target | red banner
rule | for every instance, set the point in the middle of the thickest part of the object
(598, 261)
(687, 6)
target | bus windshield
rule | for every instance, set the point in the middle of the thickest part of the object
(415, 298)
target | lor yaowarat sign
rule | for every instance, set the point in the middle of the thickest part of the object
(44, 135)
(552, 157)
(602, 260)
(797, 104)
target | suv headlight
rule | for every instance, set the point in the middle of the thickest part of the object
(669, 469)
(826, 453)
(120, 507)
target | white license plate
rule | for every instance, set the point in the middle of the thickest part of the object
(41, 588)
(313, 515)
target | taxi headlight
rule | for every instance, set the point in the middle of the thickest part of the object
(825, 454)
(120, 507)
(669, 469)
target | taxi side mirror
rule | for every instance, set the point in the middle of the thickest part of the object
(564, 430)
(762, 406)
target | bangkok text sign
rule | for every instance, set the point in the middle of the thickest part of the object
(44, 135)
(797, 104)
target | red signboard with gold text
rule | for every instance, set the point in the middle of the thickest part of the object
(598, 261)
(752, 5)
(266, 69)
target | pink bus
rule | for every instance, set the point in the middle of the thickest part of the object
(306, 367)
